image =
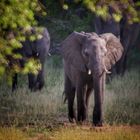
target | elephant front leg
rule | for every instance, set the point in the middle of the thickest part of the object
(88, 94)
(31, 80)
(40, 79)
(69, 92)
(81, 104)
(71, 111)
(14, 82)
(98, 99)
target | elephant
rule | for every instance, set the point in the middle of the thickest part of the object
(87, 58)
(37, 49)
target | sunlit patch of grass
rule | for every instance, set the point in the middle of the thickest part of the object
(12, 134)
(74, 133)
(104, 133)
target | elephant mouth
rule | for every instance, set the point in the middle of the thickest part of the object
(104, 70)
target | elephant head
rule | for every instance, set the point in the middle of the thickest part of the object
(96, 53)
(90, 56)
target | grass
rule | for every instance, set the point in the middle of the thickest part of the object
(122, 103)
(106, 133)
(36, 108)
(46, 108)
(12, 134)
(75, 133)
(43, 116)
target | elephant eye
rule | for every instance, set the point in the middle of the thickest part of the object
(86, 53)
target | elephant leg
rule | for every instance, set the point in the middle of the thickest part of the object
(103, 82)
(88, 93)
(14, 82)
(98, 99)
(40, 79)
(70, 95)
(31, 81)
(81, 104)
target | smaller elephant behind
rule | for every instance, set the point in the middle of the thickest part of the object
(37, 49)
(87, 59)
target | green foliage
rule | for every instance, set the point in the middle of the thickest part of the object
(60, 27)
(120, 8)
(17, 16)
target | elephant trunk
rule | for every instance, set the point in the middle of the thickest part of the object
(98, 99)
(97, 69)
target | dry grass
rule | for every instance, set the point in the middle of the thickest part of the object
(12, 134)
(104, 133)
(76, 133)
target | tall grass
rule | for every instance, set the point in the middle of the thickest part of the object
(35, 108)
(122, 100)
(46, 107)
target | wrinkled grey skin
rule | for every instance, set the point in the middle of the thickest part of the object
(37, 49)
(83, 52)
(128, 34)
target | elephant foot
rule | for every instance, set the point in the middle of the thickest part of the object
(83, 123)
(81, 118)
(72, 120)
(98, 124)
(38, 86)
(97, 119)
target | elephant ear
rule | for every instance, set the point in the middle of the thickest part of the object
(71, 50)
(114, 49)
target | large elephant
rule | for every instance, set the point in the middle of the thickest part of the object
(37, 49)
(87, 59)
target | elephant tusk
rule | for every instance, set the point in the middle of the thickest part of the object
(107, 71)
(49, 54)
(89, 72)
(37, 54)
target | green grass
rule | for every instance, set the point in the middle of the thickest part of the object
(122, 102)
(46, 107)
(43, 115)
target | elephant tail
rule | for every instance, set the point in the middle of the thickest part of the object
(64, 97)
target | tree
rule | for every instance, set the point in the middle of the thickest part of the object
(17, 17)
